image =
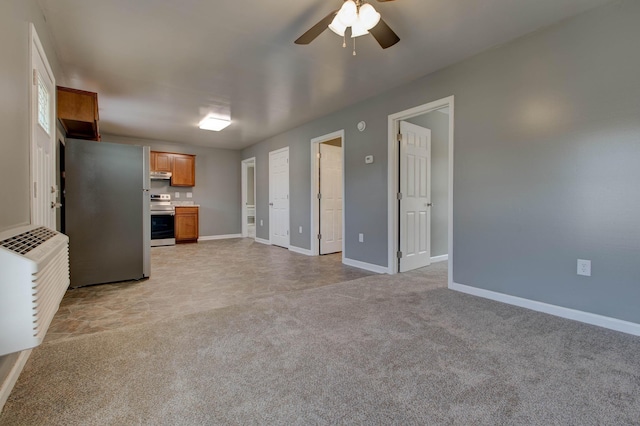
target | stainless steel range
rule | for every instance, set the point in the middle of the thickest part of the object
(162, 220)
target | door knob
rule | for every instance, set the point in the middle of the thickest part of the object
(429, 204)
(55, 205)
(271, 204)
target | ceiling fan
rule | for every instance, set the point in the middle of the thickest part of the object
(361, 17)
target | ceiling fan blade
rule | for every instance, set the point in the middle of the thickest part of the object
(317, 29)
(384, 35)
(382, 1)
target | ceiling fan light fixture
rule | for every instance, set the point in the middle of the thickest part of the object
(368, 16)
(358, 29)
(214, 124)
(348, 13)
(337, 26)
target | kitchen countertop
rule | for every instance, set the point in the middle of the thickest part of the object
(184, 204)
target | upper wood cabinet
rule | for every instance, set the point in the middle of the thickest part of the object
(181, 166)
(161, 161)
(184, 170)
(78, 113)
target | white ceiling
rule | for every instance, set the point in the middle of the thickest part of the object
(159, 66)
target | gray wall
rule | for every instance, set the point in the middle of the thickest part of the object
(547, 147)
(251, 197)
(217, 189)
(15, 16)
(439, 125)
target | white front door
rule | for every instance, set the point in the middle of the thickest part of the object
(279, 197)
(43, 101)
(330, 199)
(415, 196)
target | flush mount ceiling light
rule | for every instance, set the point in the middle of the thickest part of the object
(214, 124)
(361, 17)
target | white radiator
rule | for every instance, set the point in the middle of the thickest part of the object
(34, 275)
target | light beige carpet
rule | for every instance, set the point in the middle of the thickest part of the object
(376, 350)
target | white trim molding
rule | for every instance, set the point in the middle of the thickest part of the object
(299, 250)
(315, 218)
(262, 241)
(245, 164)
(366, 266)
(219, 237)
(442, 258)
(7, 386)
(559, 311)
(392, 179)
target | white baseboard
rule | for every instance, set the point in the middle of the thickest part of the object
(442, 258)
(219, 237)
(12, 378)
(366, 266)
(300, 250)
(261, 241)
(559, 311)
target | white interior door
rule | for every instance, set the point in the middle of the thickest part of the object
(330, 199)
(415, 196)
(279, 197)
(43, 98)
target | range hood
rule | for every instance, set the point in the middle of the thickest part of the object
(160, 175)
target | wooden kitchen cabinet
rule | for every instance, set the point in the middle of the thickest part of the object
(78, 113)
(186, 225)
(161, 161)
(181, 166)
(183, 172)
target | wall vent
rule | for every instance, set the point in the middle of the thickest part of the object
(34, 275)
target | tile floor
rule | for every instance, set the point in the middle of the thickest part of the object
(193, 278)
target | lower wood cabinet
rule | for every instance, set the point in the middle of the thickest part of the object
(186, 225)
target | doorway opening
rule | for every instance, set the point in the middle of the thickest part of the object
(249, 198)
(327, 194)
(404, 226)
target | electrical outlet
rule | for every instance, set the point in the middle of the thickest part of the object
(189, 194)
(584, 267)
(361, 238)
(300, 230)
(177, 195)
(261, 222)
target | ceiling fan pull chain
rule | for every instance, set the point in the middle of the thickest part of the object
(354, 47)
(344, 41)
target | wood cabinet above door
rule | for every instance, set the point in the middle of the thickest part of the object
(78, 113)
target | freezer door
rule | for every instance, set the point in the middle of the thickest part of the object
(105, 212)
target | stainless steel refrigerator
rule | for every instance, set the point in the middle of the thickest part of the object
(107, 214)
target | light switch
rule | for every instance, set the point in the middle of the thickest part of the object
(361, 238)
(300, 230)
(177, 195)
(189, 194)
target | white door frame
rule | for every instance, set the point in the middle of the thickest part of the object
(315, 204)
(392, 179)
(245, 165)
(278, 151)
(35, 47)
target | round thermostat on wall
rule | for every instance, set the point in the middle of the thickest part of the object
(362, 125)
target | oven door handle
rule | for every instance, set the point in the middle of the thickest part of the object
(160, 213)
